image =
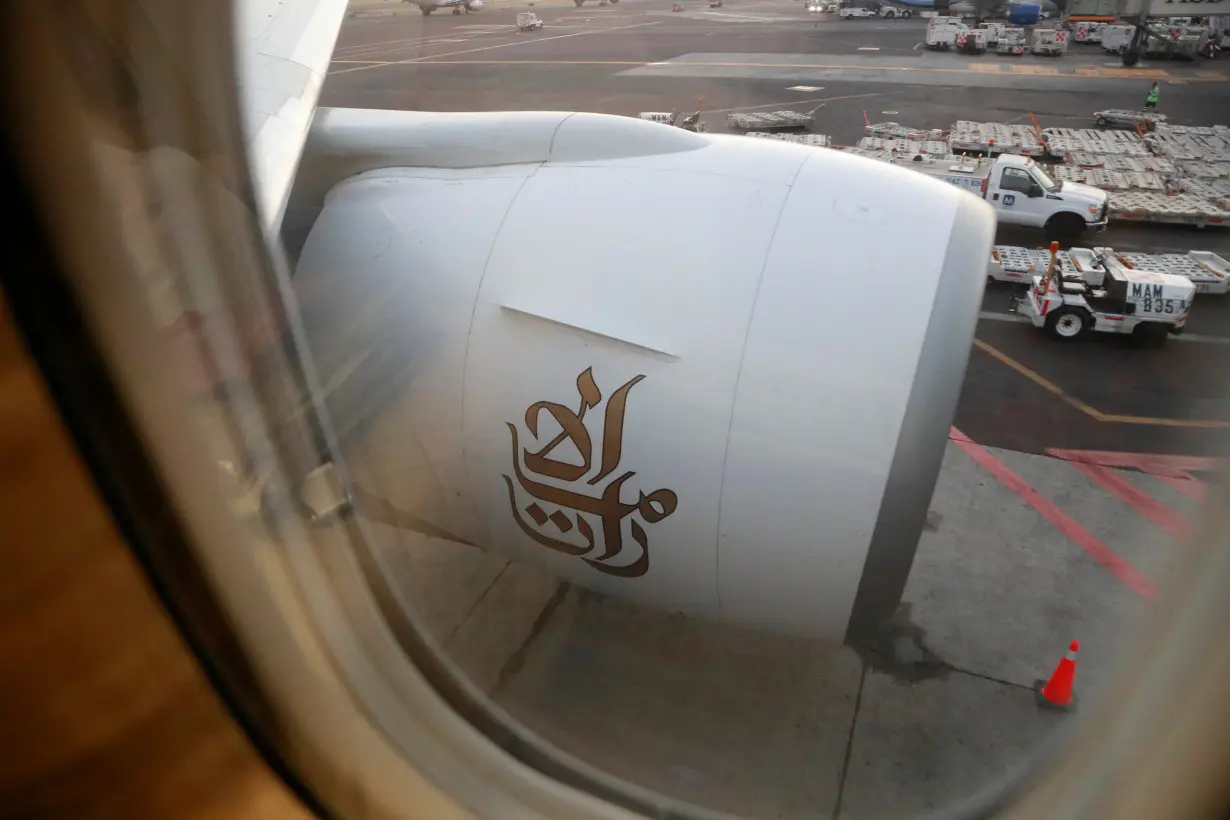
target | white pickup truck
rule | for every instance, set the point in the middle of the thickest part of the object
(1022, 193)
(852, 12)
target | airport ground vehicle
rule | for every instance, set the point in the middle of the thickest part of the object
(458, 6)
(942, 32)
(528, 21)
(1049, 42)
(855, 12)
(1088, 32)
(1117, 38)
(1011, 41)
(993, 31)
(1022, 193)
(688, 122)
(1123, 118)
(893, 13)
(972, 41)
(1095, 294)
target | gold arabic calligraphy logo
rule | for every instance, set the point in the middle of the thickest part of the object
(576, 507)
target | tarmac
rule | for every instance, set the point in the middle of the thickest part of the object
(1071, 476)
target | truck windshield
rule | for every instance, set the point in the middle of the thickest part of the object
(1046, 181)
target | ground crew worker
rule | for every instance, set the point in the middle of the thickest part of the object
(1151, 103)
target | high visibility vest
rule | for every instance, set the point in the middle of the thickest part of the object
(1153, 92)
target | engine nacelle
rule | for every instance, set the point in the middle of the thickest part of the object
(708, 373)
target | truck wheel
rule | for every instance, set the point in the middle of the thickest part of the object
(1101, 122)
(1066, 324)
(906, 14)
(1064, 227)
(890, 14)
(1150, 334)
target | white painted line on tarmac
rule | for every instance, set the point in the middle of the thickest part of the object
(518, 42)
(868, 48)
(916, 47)
(788, 102)
(810, 88)
(1208, 340)
(992, 316)
(741, 17)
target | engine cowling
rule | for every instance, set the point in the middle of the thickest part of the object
(708, 373)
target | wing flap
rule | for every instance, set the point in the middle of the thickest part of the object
(284, 49)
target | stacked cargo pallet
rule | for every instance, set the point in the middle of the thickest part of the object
(908, 147)
(1215, 191)
(994, 138)
(771, 120)
(1031, 260)
(817, 140)
(1197, 191)
(1209, 272)
(1172, 174)
(1179, 209)
(1114, 162)
(1080, 143)
(897, 131)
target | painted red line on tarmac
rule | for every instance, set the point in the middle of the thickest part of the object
(1100, 552)
(1141, 501)
(1192, 487)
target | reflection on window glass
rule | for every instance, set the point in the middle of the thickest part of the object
(683, 436)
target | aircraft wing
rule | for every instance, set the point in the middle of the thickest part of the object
(284, 48)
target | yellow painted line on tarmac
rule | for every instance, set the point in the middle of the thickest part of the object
(510, 44)
(1112, 418)
(1035, 377)
(503, 62)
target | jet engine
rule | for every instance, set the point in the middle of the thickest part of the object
(707, 373)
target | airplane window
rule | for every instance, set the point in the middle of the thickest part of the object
(533, 435)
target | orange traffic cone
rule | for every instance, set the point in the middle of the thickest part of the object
(1057, 692)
